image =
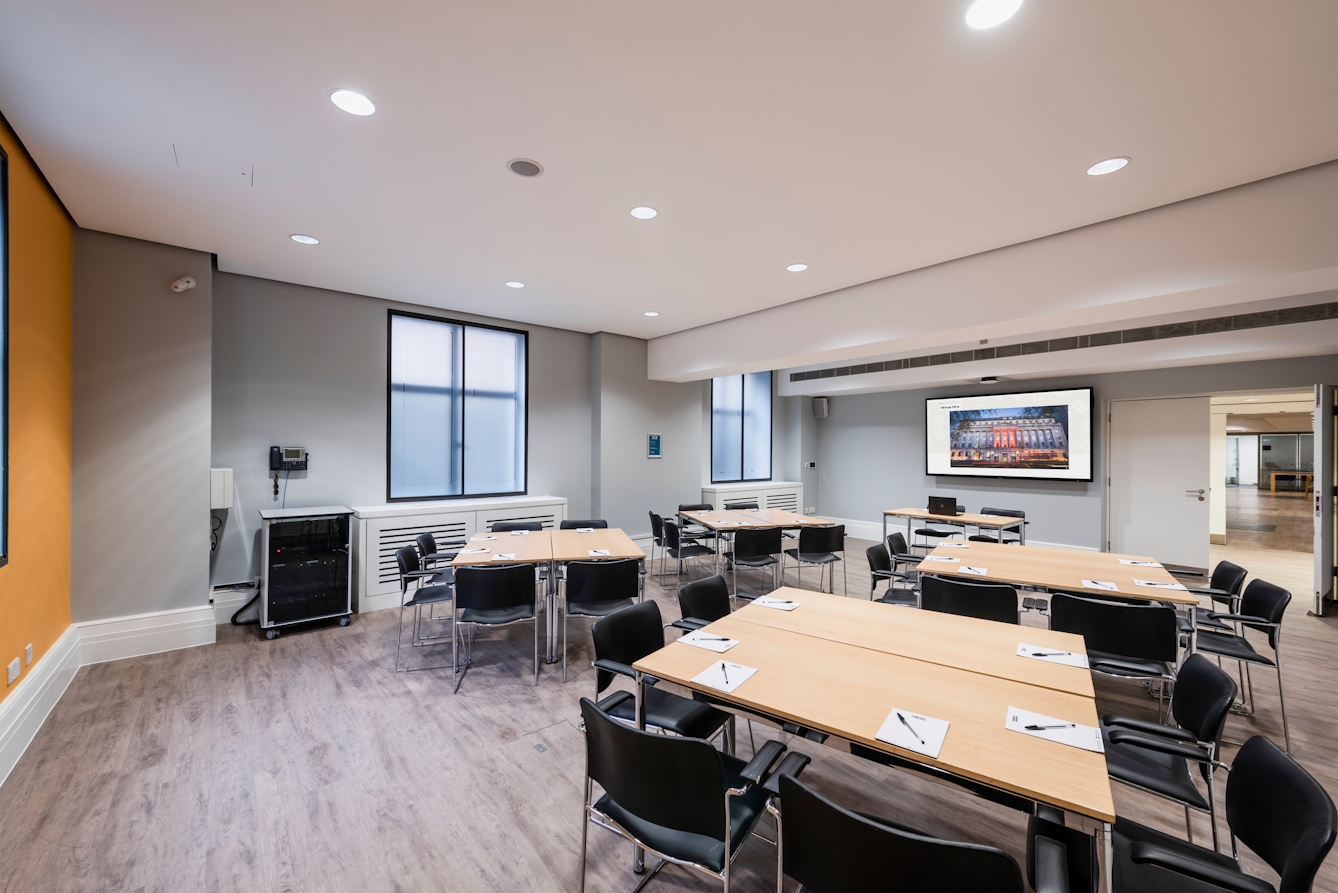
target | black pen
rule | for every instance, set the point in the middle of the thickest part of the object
(723, 673)
(1051, 653)
(1066, 725)
(908, 727)
(712, 639)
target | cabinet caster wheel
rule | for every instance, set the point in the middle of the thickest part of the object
(271, 633)
(345, 621)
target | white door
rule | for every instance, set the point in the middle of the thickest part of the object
(1158, 480)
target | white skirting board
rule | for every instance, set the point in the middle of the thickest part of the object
(91, 642)
(873, 530)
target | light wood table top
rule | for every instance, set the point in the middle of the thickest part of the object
(848, 691)
(534, 547)
(967, 518)
(782, 518)
(968, 643)
(718, 519)
(1056, 569)
(572, 545)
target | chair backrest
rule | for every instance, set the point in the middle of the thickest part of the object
(427, 544)
(671, 538)
(828, 847)
(1202, 698)
(657, 529)
(1145, 632)
(1280, 812)
(878, 560)
(822, 539)
(1228, 577)
(741, 505)
(1266, 600)
(507, 586)
(406, 558)
(626, 636)
(988, 601)
(699, 507)
(602, 581)
(896, 544)
(1007, 513)
(706, 599)
(757, 543)
(508, 526)
(666, 780)
(597, 523)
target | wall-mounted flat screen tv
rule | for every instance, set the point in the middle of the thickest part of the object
(1038, 435)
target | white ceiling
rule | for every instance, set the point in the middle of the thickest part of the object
(864, 139)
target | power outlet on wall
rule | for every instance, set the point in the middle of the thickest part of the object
(810, 509)
(12, 672)
(28, 654)
(810, 465)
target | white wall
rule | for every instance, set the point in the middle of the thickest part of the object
(300, 366)
(1217, 474)
(140, 501)
(871, 448)
(1249, 459)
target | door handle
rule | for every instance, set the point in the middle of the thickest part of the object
(1193, 492)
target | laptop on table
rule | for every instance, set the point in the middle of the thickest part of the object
(943, 505)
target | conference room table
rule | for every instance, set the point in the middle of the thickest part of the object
(995, 523)
(550, 548)
(836, 668)
(723, 522)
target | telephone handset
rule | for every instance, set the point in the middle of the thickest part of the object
(287, 459)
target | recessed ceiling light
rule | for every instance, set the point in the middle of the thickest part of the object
(990, 13)
(353, 102)
(797, 268)
(650, 313)
(526, 167)
(305, 240)
(515, 285)
(644, 213)
(1109, 166)
(1250, 400)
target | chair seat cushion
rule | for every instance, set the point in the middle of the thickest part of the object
(759, 561)
(1231, 646)
(1202, 621)
(1162, 773)
(672, 713)
(496, 616)
(812, 557)
(697, 848)
(982, 538)
(689, 550)
(598, 609)
(904, 597)
(929, 531)
(1120, 665)
(1131, 876)
(430, 595)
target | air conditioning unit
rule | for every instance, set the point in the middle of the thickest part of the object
(820, 408)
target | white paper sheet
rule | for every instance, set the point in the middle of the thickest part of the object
(504, 556)
(479, 539)
(709, 641)
(520, 533)
(778, 604)
(1051, 729)
(940, 558)
(954, 545)
(473, 551)
(911, 731)
(724, 676)
(1052, 655)
(1100, 584)
(1136, 563)
(978, 571)
(598, 553)
(1155, 584)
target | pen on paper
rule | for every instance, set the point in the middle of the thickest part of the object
(909, 727)
(723, 672)
(1063, 725)
(1051, 653)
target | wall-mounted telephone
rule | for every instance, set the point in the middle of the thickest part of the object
(287, 459)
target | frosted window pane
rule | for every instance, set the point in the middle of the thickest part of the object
(727, 428)
(425, 407)
(494, 411)
(757, 426)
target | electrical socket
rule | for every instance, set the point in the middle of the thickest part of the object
(28, 654)
(810, 509)
(12, 672)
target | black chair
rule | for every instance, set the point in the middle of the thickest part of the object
(819, 545)
(999, 536)
(880, 568)
(1273, 806)
(1133, 641)
(702, 602)
(597, 524)
(741, 505)
(1060, 859)
(621, 640)
(755, 549)
(598, 589)
(690, 530)
(508, 526)
(681, 550)
(934, 533)
(429, 555)
(829, 849)
(656, 539)
(494, 596)
(411, 570)
(679, 798)
(1156, 758)
(900, 553)
(1223, 589)
(1261, 609)
(987, 601)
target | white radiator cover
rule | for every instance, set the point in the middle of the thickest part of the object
(381, 529)
(787, 495)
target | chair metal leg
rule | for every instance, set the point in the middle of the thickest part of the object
(536, 646)
(564, 647)
(1212, 807)
(1282, 701)
(585, 826)
(1189, 828)
(457, 672)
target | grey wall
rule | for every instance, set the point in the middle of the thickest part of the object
(871, 448)
(140, 502)
(628, 406)
(300, 366)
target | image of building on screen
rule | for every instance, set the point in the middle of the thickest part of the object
(1016, 437)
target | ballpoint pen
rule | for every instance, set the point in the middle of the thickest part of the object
(1051, 653)
(1063, 725)
(723, 672)
(908, 727)
(713, 638)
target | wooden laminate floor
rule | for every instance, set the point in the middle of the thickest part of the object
(308, 764)
(1260, 519)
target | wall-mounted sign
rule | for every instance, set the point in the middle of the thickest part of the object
(653, 446)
